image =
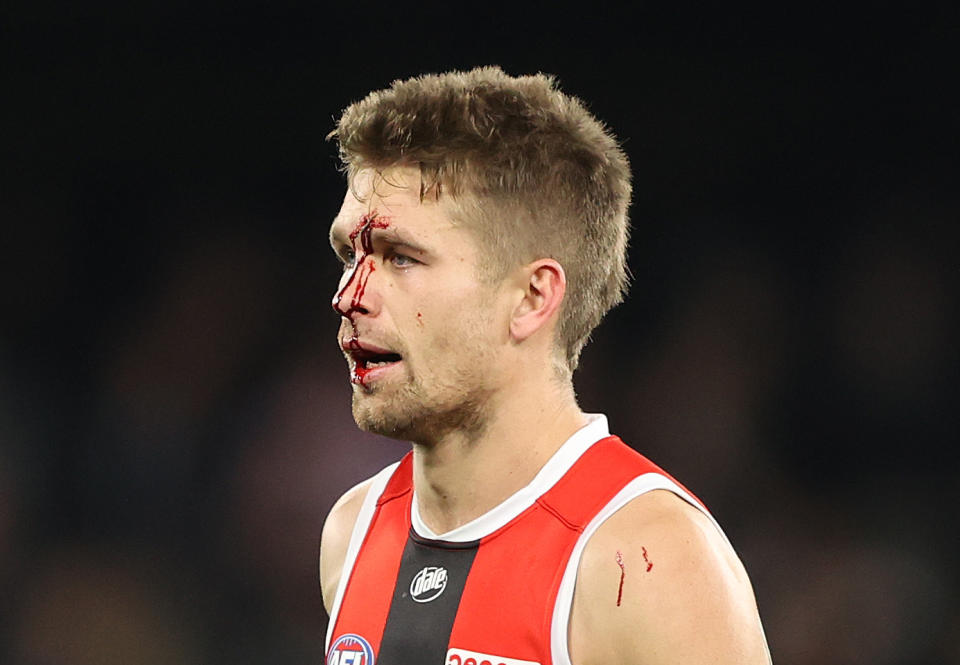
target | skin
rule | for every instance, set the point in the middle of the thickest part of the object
(694, 605)
(477, 358)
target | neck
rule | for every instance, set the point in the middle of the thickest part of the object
(464, 474)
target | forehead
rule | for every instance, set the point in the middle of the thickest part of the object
(393, 196)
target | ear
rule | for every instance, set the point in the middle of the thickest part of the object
(544, 284)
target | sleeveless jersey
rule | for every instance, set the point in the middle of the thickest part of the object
(496, 591)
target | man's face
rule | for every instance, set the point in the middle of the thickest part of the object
(419, 329)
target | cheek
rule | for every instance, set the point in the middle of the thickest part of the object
(458, 312)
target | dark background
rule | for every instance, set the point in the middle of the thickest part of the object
(174, 419)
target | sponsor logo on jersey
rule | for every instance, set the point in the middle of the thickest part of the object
(350, 649)
(428, 584)
(464, 657)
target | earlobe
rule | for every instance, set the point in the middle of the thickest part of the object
(544, 285)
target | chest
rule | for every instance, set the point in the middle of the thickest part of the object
(412, 600)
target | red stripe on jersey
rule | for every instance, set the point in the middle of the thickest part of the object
(366, 599)
(507, 606)
(507, 603)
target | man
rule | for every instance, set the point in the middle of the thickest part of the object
(483, 236)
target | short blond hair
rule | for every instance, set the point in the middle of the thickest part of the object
(533, 172)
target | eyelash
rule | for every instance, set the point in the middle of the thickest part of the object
(409, 260)
(348, 257)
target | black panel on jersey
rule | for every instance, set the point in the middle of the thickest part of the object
(419, 632)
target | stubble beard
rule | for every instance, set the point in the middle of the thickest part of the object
(420, 414)
(458, 398)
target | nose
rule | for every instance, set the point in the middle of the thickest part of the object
(352, 297)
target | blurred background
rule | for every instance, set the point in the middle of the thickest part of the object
(174, 412)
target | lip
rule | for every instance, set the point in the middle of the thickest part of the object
(357, 352)
(353, 345)
(364, 376)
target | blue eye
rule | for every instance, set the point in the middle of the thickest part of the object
(402, 260)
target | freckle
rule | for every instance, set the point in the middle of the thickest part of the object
(649, 563)
(420, 318)
(623, 572)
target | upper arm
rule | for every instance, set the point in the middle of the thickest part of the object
(685, 597)
(335, 539)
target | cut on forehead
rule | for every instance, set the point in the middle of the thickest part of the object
(391, 194)
(397, 187)
(491, 222)
(367, 194)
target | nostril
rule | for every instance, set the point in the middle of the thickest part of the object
(348, 307)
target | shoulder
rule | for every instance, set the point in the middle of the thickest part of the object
(659, 584)
(335, 538)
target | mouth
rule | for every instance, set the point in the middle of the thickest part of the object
(369, 361)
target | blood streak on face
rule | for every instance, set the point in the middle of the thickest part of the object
(363, 267)
(649, 563)
(362, 264)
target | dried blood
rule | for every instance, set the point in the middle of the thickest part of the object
(623, 572)
(363, 267)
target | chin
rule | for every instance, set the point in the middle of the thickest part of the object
(419, 421)
(395, 411)
(376, 417)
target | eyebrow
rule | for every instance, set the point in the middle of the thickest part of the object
(390, 236)
(394, 236)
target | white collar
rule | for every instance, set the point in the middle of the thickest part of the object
(555, 468)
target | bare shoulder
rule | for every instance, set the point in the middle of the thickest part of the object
(336, 538)
(659, 584)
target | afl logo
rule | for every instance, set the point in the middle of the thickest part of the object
(428, 584)
(350, 649)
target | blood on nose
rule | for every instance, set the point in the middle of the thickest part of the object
(362, 240)
(356, 280)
